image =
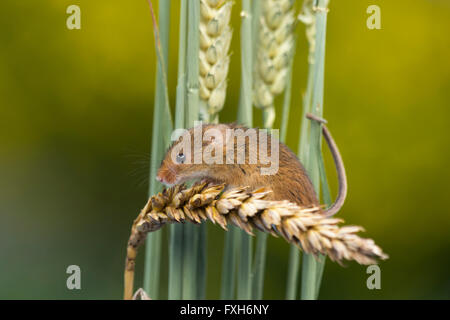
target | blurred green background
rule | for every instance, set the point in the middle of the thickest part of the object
(75, 132)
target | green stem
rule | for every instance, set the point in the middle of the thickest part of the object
(202, 261)
(229, 263)
(175, 262)
(259, 265)
(190, 242)
(286, 107)
(191, 234)
(294, 252)
(161, 115)
(326, 196)
(303, 148)
(308, 287)
(260, 253)
(181, 84)
(292, 277)
(230, 250)
(245, 116)
(176, 230)
(245, 270)
(193, 63)
(245, 112)
(310, 266)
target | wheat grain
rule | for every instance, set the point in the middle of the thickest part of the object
(215, 38)
(308, 18)
(274, 53)
(247, 209)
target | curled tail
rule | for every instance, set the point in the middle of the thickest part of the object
(339, 164)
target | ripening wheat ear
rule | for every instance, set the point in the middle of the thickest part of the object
(247, 209)
(274, 53)
(308, 18)
(215, 38)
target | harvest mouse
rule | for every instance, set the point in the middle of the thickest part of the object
(238, 163)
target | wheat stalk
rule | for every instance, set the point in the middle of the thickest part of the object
(274, 53)
(247, 209)
(215, 39)
(316, 34)
(162, 128)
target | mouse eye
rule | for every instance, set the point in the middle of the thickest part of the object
(181, 158)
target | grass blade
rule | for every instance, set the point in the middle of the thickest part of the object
(245, 116)
(175, 262)
(229, 263)
(294, 252)
(245, 112)
(259, 265)
(293, 270)
(326, 196)
(176, 231)
(191, 234)
(202, 261)
(261, 237)
(245, 267)
(161, 115)
(310, 266)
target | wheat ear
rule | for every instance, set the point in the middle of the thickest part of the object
(309, 19)
(274, 53)
(247, 209)
(215, 38)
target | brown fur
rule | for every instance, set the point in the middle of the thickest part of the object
(291, 182)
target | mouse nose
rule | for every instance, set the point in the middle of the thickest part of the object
(159, 178)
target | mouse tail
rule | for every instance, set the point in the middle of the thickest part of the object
(340, 169)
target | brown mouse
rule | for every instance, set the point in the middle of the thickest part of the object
(288, 181)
